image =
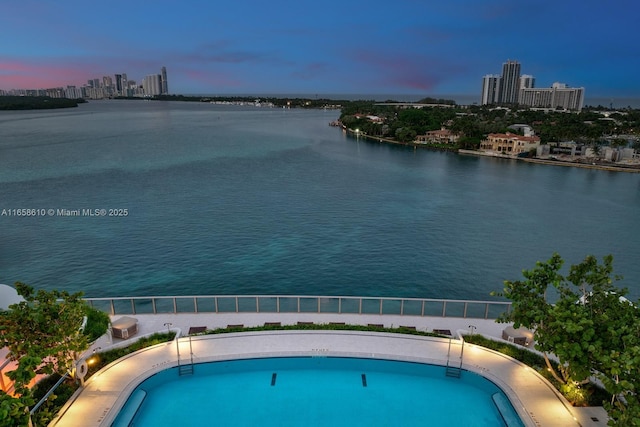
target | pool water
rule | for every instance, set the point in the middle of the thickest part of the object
(317, 391)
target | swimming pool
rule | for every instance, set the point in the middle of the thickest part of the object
(317, 391)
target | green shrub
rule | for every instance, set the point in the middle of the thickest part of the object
(97, 323)
(55, 401)
(100, 360)
(584, 395)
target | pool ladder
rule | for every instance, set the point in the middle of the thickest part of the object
(186, 368)
(452, 370)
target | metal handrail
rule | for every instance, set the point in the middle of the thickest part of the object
(300, 304)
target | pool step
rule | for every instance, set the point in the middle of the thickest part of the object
(185, 369)
(452, 371)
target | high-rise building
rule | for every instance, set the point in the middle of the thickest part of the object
(509, 82)
(73, 92)
(526, 82)
(557, 96)
(152, 85)
(165, 84)
(107, 84)
(119, 85)
(125, 85)
(490, 89)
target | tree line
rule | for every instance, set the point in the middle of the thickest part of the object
(36, 102)
(474, 123)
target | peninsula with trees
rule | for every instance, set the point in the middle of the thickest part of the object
(594, 137)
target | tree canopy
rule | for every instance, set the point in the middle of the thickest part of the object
(591, 328)
(36, 102)
(43, 334)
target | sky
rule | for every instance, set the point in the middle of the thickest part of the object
(419, 47)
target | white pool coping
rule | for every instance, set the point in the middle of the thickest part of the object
(104, 394)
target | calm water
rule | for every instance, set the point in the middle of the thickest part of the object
(319, 392)
(226, 200)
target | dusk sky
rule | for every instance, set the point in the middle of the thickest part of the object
(418, 47)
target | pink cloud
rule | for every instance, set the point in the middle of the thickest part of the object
(405, 71)
(311, 71)
(28, 75)
(215, 80)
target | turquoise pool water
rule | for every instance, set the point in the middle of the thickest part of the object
(317, 391)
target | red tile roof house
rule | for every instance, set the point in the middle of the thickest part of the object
(509, 143)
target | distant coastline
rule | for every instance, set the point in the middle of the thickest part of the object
(460, 99)
(18, 102)
(13, 103)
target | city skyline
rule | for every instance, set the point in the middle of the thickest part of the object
(322, 48)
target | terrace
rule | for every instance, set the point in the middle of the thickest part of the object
(97, 404)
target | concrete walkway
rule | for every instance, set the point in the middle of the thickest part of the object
(104, 394)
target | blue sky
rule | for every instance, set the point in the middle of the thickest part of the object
(419, 47)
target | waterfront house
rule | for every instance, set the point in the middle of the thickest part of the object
(442, 136)
(509, 143)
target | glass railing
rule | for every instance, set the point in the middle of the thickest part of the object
(301, 304)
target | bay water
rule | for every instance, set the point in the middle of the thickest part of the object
(132, 198)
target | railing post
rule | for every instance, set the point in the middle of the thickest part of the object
(237, 306)
(133, 306)
(298, 304)
(153, 304)
(422, 314)
(486, 311)
(381, 300)
(465, 310)
(402, 307)
(215, 304)
(318, 299)
(360, 305)
(277, 304)
(175, 306)
(444, 308)
(339, 305)
(113, 307)
(195, 304)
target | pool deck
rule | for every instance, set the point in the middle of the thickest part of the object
(535, 400)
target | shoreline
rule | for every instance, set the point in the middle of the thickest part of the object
(610, 168)
(381, 139)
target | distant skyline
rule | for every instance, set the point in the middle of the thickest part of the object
(408, 47)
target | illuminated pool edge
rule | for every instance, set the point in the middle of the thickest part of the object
(470, 382)
(534, 399)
